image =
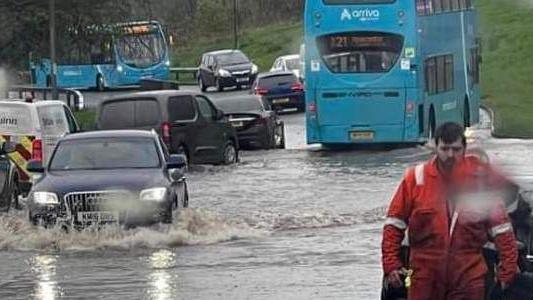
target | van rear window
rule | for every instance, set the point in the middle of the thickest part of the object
(15, 120)
(53, 120)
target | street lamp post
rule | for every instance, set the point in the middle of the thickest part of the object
(235, 26)
(53, 82)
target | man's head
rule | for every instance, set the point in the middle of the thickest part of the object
(450, 141)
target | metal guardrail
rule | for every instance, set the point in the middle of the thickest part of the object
(193, 72)
(72, 97)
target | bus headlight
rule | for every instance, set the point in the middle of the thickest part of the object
(155, 194)
(224, 73)
(167, 63)
(45, 198)
(120, 69)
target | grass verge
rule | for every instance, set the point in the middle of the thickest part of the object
(507, 69)
(86, 119)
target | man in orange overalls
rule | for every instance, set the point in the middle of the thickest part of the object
(450, 215)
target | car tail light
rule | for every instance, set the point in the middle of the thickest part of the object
(37, 150)
(261, 91)
(165, 133)
(297, 87)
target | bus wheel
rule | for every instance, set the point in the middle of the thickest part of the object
(431, 125)
(466, 114)
(100, 85)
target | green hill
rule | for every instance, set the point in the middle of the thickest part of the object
(507, 69)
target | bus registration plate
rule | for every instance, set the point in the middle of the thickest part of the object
(361, 135)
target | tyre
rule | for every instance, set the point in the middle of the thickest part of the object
(431, 125)
(279, 136)
(239, 87)
(183, 150)
(185, 202)
(100, 85)
(219, 86)
(230, 153)
(168, 214)
(201, 84)
(466, 115)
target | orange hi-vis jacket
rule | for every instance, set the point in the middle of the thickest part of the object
(446, 237)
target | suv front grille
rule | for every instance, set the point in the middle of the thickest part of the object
(99, 201)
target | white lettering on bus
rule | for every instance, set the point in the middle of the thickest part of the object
(360, 14)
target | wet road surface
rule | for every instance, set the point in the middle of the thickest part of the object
(299, 223)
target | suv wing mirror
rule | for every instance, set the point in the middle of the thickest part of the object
(177, 161)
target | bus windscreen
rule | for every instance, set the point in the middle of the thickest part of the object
(358, 1)
(360, 52)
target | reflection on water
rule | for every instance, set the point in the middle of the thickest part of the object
(162, 283)
(44, 267)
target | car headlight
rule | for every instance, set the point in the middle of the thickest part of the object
(255, 69)
(224, 73)
(155, 194)
(45, 198)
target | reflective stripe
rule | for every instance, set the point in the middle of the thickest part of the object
(419, 174)
(501, 229)
(398, 223)
(454, 222)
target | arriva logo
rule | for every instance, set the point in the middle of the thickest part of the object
(360, 14)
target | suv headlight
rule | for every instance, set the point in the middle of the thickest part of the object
(45, 198)
(255, 69)
(224, 73)
(155, 194)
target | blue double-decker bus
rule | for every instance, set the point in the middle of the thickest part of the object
(389, 71)
(107, 56)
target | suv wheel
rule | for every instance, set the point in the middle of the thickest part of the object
(219, 86)
(230, 153)
(201, 84)
(279, 136)
(100, 85)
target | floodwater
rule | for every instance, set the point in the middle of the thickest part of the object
(299, 223)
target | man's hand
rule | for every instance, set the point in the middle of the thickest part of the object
(395, 279)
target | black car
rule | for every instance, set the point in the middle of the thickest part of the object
(188, 122)
(282, 89)
(125, 177)
(9, 191)
(256, 123)
(225, 68)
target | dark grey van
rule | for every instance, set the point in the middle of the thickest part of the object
(187, 122)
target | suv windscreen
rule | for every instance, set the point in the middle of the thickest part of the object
(232, 58)
(360, 52)
(276, 80)
(105, 154)
(181, 108)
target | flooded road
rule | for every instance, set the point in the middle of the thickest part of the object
(299, 223)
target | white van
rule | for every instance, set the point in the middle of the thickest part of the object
(36, 127)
